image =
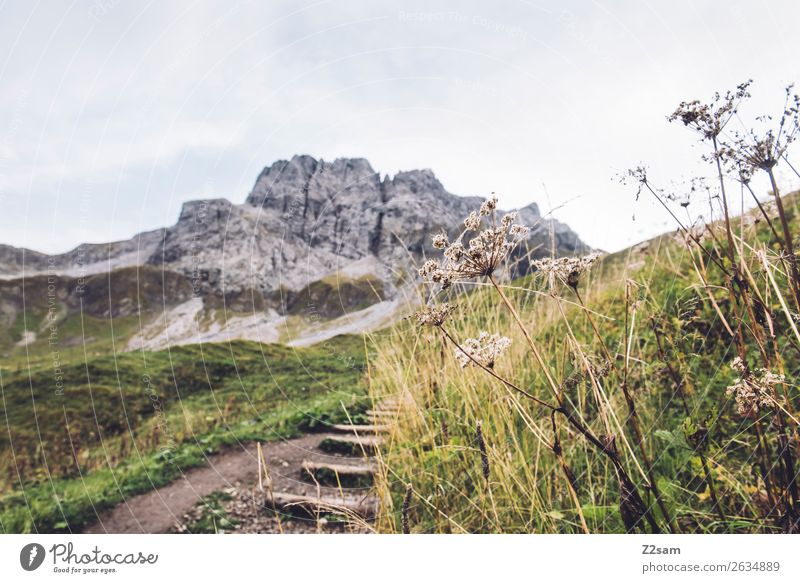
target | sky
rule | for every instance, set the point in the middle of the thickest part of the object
(113, 113)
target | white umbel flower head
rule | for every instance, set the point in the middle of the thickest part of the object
(482, 254)
(440, 241)
(434, 315)
(488, 206)
(484, 350)
(472, 222)
(567, 270)
(753, 390)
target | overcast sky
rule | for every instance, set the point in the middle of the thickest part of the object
(113, 112)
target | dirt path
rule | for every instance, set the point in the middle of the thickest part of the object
(318, 474)
(160, 510)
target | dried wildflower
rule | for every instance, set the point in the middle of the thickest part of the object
(434, 315)
(440, 240)
(484, 349)
(636, 176)
(742, 172)
(753, 389)
(428, 267)
(709, 119)
(568, 270)
(692, 235)
(482, 255)
(472, 222)
(518, 232)
(753, 150)
(432, 271)
(508, 219)
(488, 206)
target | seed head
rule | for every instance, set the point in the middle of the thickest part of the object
(483, 253)
(709, 119)
(434, 315)
(753, 389)
(440, 240)
(472, 222)
(518, 232)
(484, 350)
(761, 150)
(567, 270)
(488, 206)
(509, 218)
(738, 365)
(432, 271)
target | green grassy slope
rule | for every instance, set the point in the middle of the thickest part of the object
(85, 434)
(647, 301)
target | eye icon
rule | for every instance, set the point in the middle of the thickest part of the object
(31, 556)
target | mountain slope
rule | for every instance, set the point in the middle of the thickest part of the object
(314, 241)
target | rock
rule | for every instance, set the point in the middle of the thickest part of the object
(314, 239)
(351, 445)
(349, 475)
(359, 429)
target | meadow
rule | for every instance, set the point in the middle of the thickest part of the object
(131, 422)
(651, 390)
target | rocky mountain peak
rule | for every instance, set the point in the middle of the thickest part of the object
(308, 228)
(310, 179)
(202, 210)
(302, 211)
(418, 183)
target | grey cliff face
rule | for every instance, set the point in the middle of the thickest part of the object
(303, 220)
(347, 208)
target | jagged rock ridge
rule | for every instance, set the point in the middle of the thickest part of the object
(306, 227)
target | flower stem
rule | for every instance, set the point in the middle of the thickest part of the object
(508, 383)
(537, 355)
(787, 236)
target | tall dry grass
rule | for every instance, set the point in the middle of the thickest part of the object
(650, 391)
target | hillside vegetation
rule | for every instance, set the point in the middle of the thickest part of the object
(113, 426)
(652, 390)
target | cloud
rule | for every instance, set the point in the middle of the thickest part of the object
(538, 102)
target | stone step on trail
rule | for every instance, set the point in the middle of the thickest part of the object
(392, 404)
(326, 477)
(352, 445)
(360, 429)
(365, 507)
(381, 415)
(349, 475)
